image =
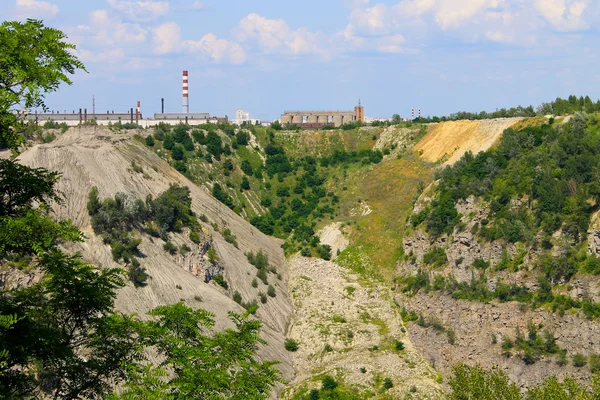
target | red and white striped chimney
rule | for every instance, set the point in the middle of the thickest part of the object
(186, 104)
(138, 109)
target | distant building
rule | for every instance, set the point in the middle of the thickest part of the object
(315, 119)
(243, 117)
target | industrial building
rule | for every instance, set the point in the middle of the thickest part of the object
(133, 116)
(318, 119)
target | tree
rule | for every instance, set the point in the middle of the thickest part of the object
(245, 185)
(476, 383)
(61, 337)
(34, 61)
(149, 141)
(202, 364)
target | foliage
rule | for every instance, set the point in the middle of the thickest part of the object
(436, 257)
(35, 60)
(199, 363)
(477, 383)
(291, 345)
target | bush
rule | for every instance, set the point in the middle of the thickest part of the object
(262, 275)
(271, 291)
(149, 141)
(170, 248)
(325, 252)
(195, 237)
(263, 298)
(136, 273)
(328, 383)
(229, 237)
(387, 384)
(237, 297)
(221, 281)
(254, 283)
(480, 263)
(291, 345)
(399, 345)
(436, 257)
(579, 360)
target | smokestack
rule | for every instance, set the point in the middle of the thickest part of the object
(413, 114)
(419, 112)
(162, 105)
(138, 109)
(186, 104)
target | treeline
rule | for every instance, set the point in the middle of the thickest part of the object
(557, 107)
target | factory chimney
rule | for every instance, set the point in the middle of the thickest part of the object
(186, 104)
(138, 109)
(162, 105)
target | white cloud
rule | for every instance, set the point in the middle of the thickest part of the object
(454, 13)
(392, 44)
(35, 9)
(275, 36)
(166, 38)
(140, 10)
(109, 31)
(564, 15)
(219, 50)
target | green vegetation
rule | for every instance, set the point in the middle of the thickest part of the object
(61, 337)
(533, 347)
(477, 383)
(291, 345)
(115, 219)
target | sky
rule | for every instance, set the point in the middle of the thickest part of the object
(267, 56)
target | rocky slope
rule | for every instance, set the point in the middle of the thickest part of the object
(347, 327)
(88, 157)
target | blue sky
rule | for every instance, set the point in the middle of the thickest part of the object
(267, 56)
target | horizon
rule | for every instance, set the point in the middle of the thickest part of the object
(441, 56)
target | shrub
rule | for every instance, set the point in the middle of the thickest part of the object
(254, 283)
(237, 297)
(328, 348)
(195, 237)
(263, 298)
(328, 383)
(271, 291)
(136, 273)
(325, 252)
(436, 257)
(170, 248)
(579, 360)
(149, 141)
(399, 345)
(221, 281)
(262, 275)
(480, 263)
(387, 384)
(229, 237)
(291, 345)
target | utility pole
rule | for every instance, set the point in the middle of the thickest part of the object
(93, 105)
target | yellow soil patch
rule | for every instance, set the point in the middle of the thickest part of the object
(448, 141)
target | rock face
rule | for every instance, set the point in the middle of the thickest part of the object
(361, 324)
(474, 325)
(98, 157)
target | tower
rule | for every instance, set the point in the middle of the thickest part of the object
(186, 104)
(359, 112)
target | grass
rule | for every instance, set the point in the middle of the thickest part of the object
(389, 189)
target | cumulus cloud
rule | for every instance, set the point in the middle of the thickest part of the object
(392, 44)
(564, 15)
(453, 13)
(166, 38)
(140, 10)
(110, 31)
(275, 36)
(219, 50)
(35, 9)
